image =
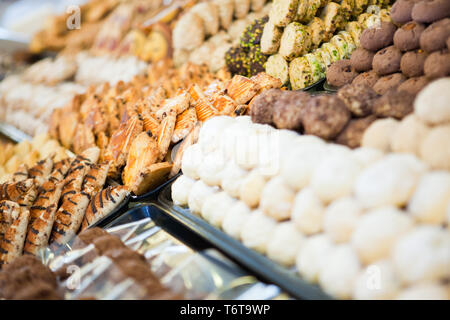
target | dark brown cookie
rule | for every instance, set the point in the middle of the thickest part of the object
(412, 63)
(413, 85)
(368, 78)
(378, 37)
(437, 65)
(87, 237)
(261, 108)
(429, 11)
(401, 11)
(391, 81)
(394, 104)
(287, 110)
(358, 98)
(341, 73)
(38, 290)
(352, 134)
(435, 36)
(407, 37)
(108, 242)
(387, 61)
(325, 116)
(361, 60)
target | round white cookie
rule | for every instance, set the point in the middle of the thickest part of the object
(339, 272)
(285, 244)
(377, 231)
(378, 134)
(340, 219)
(435, 148)
(198, 195)
(307, 212)
(276, 199)
(377, 281)
(231, 179)
(334, 177)
(312, 256)
(431, 104)
(192, 160)
(210, 170)
(251, 188)
(216, 207)
(429, 202)
(235, 219)
(367, 156)
(425, 291)
(300, 162)
(409, 135)
(211, 132)
(257, 231)
(423, 255)
(390, 181)
(181, 189)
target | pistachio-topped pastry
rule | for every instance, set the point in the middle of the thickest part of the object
(236, 60)
(256, 61)
(253, 33)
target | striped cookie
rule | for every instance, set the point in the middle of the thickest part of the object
(41, 170)
(21, 174)
(11, 246)
(103, 203)
(69, 217)
(14, 191)
(8, 210)
(95, 178)
(60, 170)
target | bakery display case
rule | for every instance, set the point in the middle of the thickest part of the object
(225, 150)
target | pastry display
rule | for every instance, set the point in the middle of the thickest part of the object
(134, 124)
(422, 132)
(304, 37)
(317, 208)
(50, 200)
(216, 109)
(205, 34)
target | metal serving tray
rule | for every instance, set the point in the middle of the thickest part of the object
(328, 87)
(260, 265)
(242, 279)
(13, 133)
(314, 86)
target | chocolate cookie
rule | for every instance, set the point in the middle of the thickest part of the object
(430, 10)
(358, 98)
(352, 134)
(361, 60)
(387, 61)
(408, 36)
(435, 36)
(388, 82)
(325, 116)
(108, 242)
(394, 104)
(287, 110)
(341, 73)
(378, 37)
(437, 64)
(261, 108)
(412, 63)
(401, 11)
(368, 78)
(413, 85)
